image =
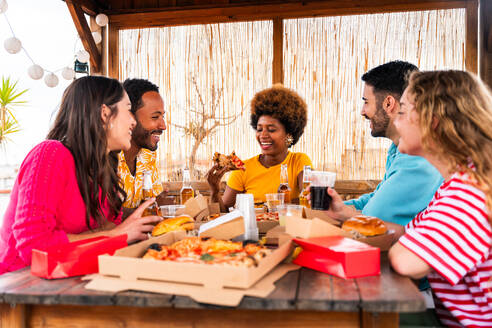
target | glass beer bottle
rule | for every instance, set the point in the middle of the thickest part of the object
(284, 187)
(148, 193)
(187, 191)
(306, 179)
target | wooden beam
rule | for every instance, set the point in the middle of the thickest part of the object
(485, 42)
(278, 51)
(113, 52)
(85, 34)
(248, 12)
(90, 7)
(471, 42)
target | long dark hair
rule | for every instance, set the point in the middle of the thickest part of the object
(80, 128)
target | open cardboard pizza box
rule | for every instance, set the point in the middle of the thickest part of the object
(219, 296)
(207, 283)
(127, 263)
(315, 227)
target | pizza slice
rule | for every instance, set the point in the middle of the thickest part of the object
(232, 162)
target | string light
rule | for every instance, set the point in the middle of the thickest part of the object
(102, 20)
(97, 37)
(35, 72)
(51, 80)
(13, 46)
(68, 73)
(3, 6)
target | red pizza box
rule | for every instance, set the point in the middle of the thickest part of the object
(74, 259)
(339, 256)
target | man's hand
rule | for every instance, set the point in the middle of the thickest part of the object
(338, 210)
(164, 199)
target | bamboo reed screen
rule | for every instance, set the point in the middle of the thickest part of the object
(324, 59)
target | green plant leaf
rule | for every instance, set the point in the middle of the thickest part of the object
(7, 128)
(10, 97)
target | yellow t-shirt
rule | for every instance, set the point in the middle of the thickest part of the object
(146, 161)
(259, 180)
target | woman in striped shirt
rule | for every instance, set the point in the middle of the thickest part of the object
(446, 117)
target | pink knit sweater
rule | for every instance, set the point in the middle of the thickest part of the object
(45, 206)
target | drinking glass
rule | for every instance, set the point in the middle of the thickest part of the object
(273, 200)
(287, 210)
(171, 211)
(320, 181)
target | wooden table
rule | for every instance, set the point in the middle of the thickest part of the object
(302, 298)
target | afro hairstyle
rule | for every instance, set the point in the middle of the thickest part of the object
(135, 88)
(282, 104)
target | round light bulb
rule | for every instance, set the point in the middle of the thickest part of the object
(83, 56)
(97, 37)
(3, 6)
(35, 72)
(68, 73)
(51, 80)
(102, 20)
(12, 45)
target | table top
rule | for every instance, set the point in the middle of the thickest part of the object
(302, 289)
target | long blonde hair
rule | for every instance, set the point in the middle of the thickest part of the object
(462, 106)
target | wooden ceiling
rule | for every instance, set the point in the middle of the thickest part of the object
(126, 14)
(142, 13)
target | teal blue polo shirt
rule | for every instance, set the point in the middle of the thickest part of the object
(406, 189)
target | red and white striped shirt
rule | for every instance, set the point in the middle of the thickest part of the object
(453, 235)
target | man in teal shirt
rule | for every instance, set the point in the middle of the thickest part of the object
(410, 181)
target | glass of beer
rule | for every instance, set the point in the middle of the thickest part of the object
(273, 200)
(320, 181)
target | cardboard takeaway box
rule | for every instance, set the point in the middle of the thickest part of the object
(207, 283)
(304, 229)
(195, 207)
(313, 226)
(214, 208)
(227, 226)
(339, 256)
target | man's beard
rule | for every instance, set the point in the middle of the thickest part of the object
(141, 137)
(380, 122)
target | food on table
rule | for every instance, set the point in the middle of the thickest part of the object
(267, 216)
(365, 226)
(213, 216)
(180, 223)
(232, 162)
(209, 251)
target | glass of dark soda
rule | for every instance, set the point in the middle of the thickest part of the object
(320, 181)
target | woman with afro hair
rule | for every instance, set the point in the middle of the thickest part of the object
(279, 116)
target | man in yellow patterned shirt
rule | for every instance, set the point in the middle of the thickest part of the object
(148, 108)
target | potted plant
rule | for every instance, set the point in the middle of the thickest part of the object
(9, 99)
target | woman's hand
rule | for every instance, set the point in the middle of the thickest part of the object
(338, 210)
(135, 226)
(214, 176)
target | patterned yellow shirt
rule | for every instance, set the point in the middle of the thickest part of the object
(146, 161)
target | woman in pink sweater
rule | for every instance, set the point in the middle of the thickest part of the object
(67, 187)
